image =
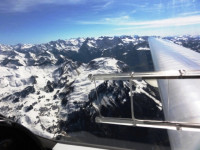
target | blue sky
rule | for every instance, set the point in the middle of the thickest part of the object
(40, 21)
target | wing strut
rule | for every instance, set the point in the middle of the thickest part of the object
(171, 125)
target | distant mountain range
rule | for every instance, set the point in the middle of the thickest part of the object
(46, 88)
(134, 51)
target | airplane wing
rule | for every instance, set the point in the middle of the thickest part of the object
(180, 98)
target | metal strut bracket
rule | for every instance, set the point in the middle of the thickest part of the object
(177, 74)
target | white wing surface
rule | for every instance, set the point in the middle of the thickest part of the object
(180, 98)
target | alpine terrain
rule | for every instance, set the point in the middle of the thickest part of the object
(46, 88)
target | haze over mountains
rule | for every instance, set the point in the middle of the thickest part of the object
(45, 87)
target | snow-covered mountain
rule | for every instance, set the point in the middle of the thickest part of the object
(189, 41)
(46, 88)
(132, 50)
(38, 97)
